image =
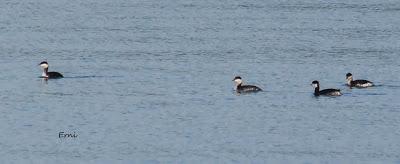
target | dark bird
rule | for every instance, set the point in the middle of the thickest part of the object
(244, 88)
(357, 83)
(49, 75)
(325, 92)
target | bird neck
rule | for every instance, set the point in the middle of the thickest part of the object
(45, 71)
(238, 85)
(316, 90)
(349, 80)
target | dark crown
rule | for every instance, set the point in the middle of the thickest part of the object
(237, 77)
(43, 62)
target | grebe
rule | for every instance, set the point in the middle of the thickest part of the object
(49, 75)
(244, 88)
(325, 92)
(357, 83)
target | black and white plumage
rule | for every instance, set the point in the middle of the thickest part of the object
(49, 75)
(240, 88)
(357, 83)
(325, 92)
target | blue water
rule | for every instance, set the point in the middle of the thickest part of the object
(150, 81)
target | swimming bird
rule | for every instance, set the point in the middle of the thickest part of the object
(49, 75)
(244, 88)
(325, 92)
(357, 83)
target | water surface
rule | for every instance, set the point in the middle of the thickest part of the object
(150, 81)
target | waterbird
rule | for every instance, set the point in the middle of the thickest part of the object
(357, 83)
(49, 75)
(240, 88)
(325, 92)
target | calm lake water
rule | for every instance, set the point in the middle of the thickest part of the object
(151, 81)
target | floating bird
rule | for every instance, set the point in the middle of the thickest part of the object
(244, 88)
(357, 83)
(325, 92)
(49, 75)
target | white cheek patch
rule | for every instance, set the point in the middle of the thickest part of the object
(350, 78)
(315, 85)
(44, 65)
(238, 81)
